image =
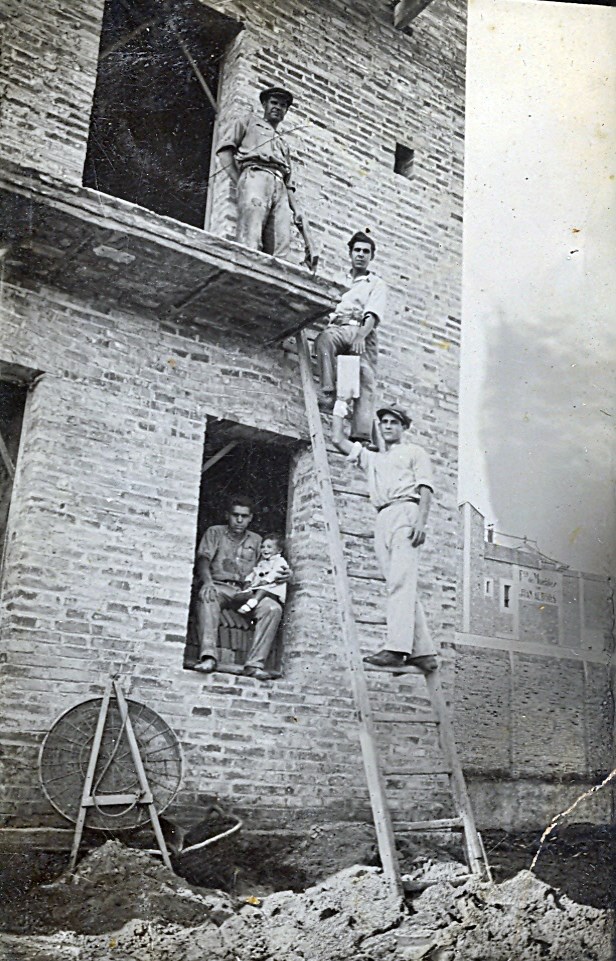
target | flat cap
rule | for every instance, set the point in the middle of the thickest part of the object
(402, 415)
(276, 92)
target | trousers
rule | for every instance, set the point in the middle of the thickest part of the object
(264, 217)
(267, 615)
(407, 627)
(336, 340)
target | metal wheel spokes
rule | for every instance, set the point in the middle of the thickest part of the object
(65, 754)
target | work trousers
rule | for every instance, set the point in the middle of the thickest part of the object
(267, 615)
(264, 217)
(336, 340)
(407, 628)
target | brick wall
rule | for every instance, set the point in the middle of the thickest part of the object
(47, 55)
(103, 523)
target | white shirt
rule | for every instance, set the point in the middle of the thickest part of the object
(367, 293)
(396, 474)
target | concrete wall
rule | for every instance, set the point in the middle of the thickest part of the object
(534, 710)
(103, 520)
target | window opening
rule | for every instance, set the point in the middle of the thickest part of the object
(235, 462)
(404, 161)
(505, 595)
(489, 587)
(12, 404)
(153, 116)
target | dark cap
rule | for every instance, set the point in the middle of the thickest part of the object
(276, 92)
(402, 415)
(360, 237)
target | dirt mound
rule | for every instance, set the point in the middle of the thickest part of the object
(112, 885)
(522, 919)
(133, 909)
(329, 922)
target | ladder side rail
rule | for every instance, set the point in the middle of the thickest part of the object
(456, 777)
(374, 777)
(141, 774)
(89, 778)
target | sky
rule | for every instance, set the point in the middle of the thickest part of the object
(538, 381)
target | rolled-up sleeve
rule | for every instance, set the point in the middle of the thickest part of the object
(377, 300)
(232, 136)
(422, 466)
(208, 544)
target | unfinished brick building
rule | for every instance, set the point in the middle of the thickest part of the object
(135, 346)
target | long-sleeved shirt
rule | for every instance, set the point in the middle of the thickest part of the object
(230, 558)
(255, 141)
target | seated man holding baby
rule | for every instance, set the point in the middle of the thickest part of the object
(237, 568)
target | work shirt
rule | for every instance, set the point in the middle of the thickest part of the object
(255, 141)
(396, 474)
(367, 293)
(230, 559)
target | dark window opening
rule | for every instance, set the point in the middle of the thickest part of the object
(404, 160)
(152, 125)
(12, 404)
(237, 460)
(506, 595)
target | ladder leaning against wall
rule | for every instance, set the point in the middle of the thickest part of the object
(367, 734)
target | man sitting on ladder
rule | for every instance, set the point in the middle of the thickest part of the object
(352, 330)
(400, 485)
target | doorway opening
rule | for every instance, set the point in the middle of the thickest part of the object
(255, 464)
(154, 111)
(12, 405)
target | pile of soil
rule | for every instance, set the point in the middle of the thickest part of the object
(123, 904)
(112, 885)
(522, 919)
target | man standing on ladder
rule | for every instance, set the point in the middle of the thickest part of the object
(401, 486)
(258, 161)
(352, 330)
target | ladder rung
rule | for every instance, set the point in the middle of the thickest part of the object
(397, 719)
(389, 670)
(442, 824)
(339, 489)
(421, 769)
(373, 578)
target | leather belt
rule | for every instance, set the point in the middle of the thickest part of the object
(345, 323)
(270, 170)
(399, 500)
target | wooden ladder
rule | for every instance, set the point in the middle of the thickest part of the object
(367, 734)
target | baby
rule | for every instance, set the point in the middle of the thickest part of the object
(268, 578)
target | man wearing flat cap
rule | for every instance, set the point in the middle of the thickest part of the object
(258, 161)
(352, 329)
(401, 486)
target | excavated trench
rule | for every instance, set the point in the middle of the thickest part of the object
(123, 903)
